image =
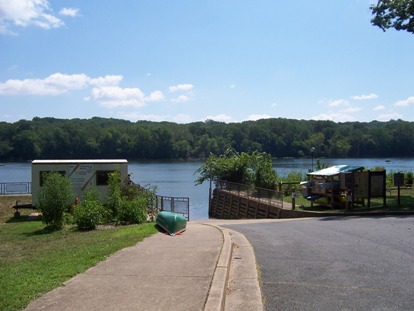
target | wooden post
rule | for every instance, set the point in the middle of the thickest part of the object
(369, 188)
(398, 200)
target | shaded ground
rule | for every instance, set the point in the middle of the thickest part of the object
(8, 201)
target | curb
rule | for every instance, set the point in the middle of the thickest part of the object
(243, 286)
(217, 293)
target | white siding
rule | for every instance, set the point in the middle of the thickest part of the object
(82, 173)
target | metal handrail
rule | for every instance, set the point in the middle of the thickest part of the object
(271, 197)
(10, 188)
(179, 205)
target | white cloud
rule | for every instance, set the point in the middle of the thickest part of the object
(136, 116)
(181, 87)
(187, 88)
(106, 80)
(220, 118)
(389, 116)
(351, 110)
(115, 96)
(365, 97)
(255, 117)
(405, 102)
(24, 13)
(156, 96)
(182, 118)
(334, 102)
(69, 12)
(336, 117)
(55, 84)
(105, 90)
(379, 108)
(338, 102)
(180, 99)
(232, 86)
(340, 110)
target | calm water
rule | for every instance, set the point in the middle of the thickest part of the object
(177, 178)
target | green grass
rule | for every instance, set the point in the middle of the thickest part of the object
(34, 261)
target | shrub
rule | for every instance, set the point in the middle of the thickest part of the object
(53, 200)
(127, 203)
(114, 200)
(255, 169)
(292, 177)
(90, 212)
(133, 211)
(409, 178)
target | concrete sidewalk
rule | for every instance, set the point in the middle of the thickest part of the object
(191, 271)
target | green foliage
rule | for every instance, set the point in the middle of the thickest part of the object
(409, 178)
(291, 182)
(397, 14)
(321, 165)
(54, 199)
(128, 202)
(255, 169)
(264, 174)
(131, 191)
(109, 138)
(133, 211)
(114, 200)
(90, 212)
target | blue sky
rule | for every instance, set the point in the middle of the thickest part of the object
(185, 61)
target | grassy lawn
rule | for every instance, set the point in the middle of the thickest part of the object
(33, 261)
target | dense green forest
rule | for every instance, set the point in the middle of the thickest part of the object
(49, 138)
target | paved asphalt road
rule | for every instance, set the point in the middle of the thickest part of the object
(335, 263)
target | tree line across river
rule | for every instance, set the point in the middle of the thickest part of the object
(50, 138)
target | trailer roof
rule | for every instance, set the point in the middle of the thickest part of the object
(91, 161)
(335, 170)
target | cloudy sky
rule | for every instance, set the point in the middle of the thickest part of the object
(187, 61)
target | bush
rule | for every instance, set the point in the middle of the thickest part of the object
(255, 169)
(133, 211)
(53, 200)
(292, 177)
(128, 203)
(114, 194)
(90, 212)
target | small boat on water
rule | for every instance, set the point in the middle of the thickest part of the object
(171, 222)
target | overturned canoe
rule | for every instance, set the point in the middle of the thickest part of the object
(171, 222)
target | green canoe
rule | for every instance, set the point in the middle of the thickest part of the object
(171, 222)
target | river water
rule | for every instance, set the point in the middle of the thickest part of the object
(177, 178)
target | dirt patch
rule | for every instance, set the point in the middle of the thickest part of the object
(8, 201)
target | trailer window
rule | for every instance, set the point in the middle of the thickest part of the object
(102, 177)
(43, 175)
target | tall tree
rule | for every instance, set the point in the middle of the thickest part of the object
(397, 14)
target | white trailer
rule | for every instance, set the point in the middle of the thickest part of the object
(83, 174)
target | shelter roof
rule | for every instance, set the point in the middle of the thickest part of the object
(336, 169)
